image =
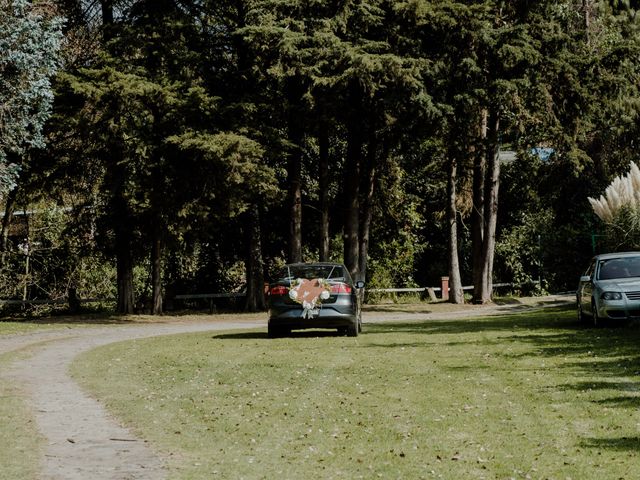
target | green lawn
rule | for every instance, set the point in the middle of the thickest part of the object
(19, 438)
(10, 328)
(524, 396)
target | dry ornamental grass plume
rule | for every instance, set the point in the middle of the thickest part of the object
(623, 193)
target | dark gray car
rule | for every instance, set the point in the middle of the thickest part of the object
(314, 295)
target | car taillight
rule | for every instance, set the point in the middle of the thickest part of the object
(278, 290)
(340, 288)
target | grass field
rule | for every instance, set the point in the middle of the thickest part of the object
(10, 328)
(19, 438)
(522, 396)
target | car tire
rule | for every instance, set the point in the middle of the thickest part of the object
(272, 332)
(352, 330)
(581, 315)
(276, 332)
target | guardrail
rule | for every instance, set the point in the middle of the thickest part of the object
(437, 289)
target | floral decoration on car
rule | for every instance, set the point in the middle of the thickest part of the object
(309, 293)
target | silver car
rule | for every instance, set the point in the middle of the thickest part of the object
(609, 290)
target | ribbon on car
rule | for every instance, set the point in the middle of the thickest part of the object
(309, 293)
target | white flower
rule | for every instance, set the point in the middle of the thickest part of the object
(293, 293)
(325, 294)
(624, 191)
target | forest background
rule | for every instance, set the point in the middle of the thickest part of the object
(159, 147)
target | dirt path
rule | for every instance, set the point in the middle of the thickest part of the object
(82, 440)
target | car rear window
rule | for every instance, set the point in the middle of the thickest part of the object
(328, 272)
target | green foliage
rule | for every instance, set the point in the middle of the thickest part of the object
(52, 258)
(393, 264)
(181, 137)
(519, 252)
(397, 225)
(29, 48)
(622, 233)
(231, 166)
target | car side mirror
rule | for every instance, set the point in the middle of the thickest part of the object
(359, 284)
(585, 278)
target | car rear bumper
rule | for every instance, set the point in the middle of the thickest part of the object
(293, 317)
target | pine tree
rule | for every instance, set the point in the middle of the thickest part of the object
(29, 56)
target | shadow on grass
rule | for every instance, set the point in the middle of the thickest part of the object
(263, 335)
(618, 444)
(620, 402)
(602, 385)
(550, 318)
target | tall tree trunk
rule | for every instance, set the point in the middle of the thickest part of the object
(455, 282)
(586, 6)
(323, 142)
(123, 244)
(106, 13)
(351, 199)
(156, 270)
(124, 271)
(254, 264)
(370, 174)
(477, 213)
(296, 136)
(106, 10)
(6, 222)
(492, 184)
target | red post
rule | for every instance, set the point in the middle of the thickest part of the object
(445, 287)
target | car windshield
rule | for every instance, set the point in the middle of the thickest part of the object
(624, 267)
(328, 272)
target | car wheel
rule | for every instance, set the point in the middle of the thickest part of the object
(272, 332)
(276, 332)
(581, 315)
(352, 330)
